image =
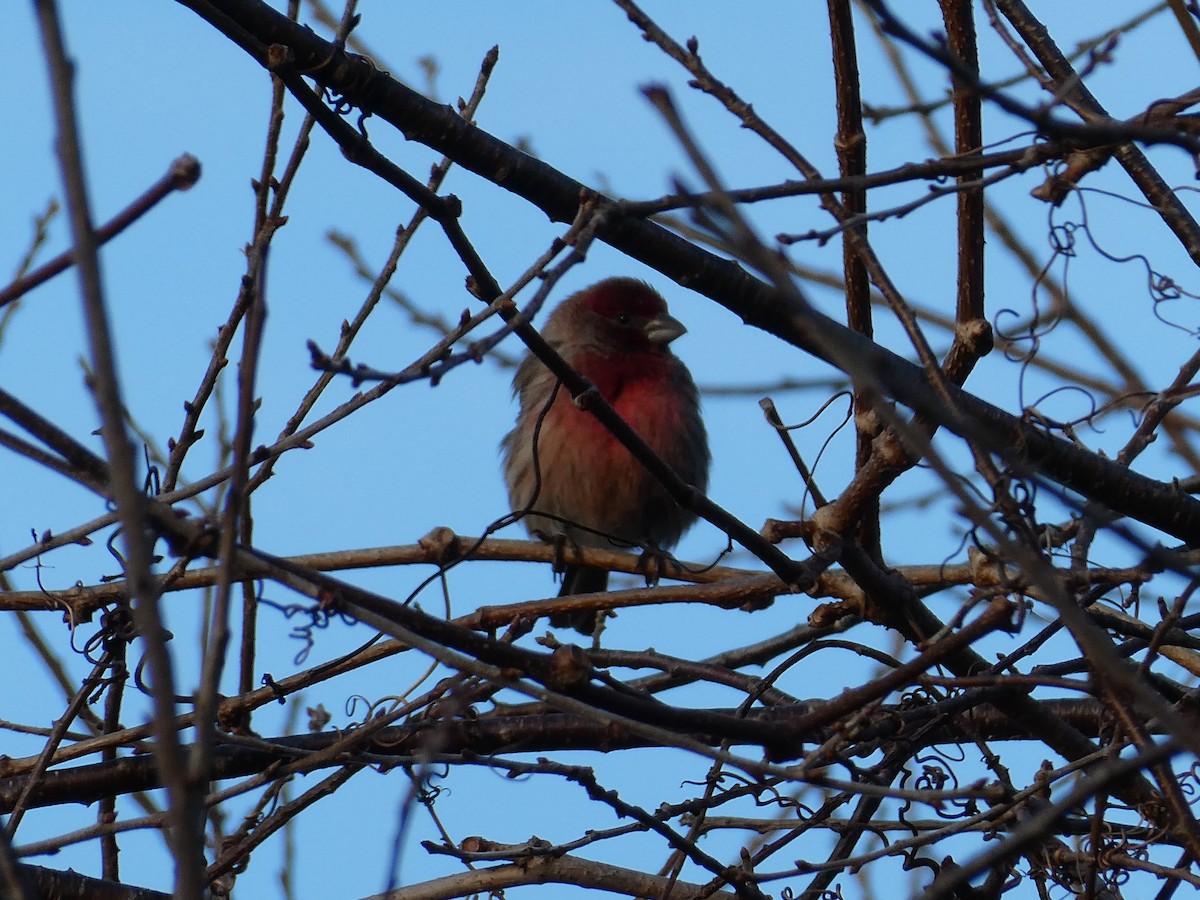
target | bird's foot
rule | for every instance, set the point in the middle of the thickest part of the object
(651, 563)
(558, 542)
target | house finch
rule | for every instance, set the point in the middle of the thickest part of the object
(592, 491)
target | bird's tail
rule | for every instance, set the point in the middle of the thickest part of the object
(580, 580)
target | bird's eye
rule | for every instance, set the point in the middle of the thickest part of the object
(623, 318)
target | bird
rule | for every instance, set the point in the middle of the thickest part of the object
(578, 483)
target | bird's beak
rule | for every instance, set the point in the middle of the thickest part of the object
(664, 329)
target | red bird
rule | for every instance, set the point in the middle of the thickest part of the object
(616, 334)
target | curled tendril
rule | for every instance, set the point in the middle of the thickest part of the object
(352, 703)
(94, 647)
(318, 618)
(1031, 413)
(152, 484)
(1062, 238)
(1115, 878)
(1163, 288)
(338, 102)
(916, 698)
(424, 791)
(1021, 343)
(933, 778)
(1188, 781)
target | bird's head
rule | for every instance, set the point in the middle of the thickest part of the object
(622, 314)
